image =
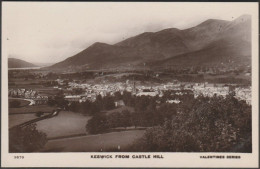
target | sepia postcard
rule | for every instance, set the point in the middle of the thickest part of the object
(130, 84)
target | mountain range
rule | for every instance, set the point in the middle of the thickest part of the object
(212, 42)
(18, 63)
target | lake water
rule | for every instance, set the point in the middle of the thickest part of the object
(24, 68)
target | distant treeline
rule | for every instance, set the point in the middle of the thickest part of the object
(200, 79)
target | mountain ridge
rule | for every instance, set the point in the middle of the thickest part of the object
(18, 63)
(168, 44)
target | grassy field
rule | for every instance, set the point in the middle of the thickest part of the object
(32, 109)
(20, 118)
(94, 143)
(66, 123)
(22, 102)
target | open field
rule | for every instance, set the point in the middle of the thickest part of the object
(23, 82)
(66, 123)
(32, 109)
(94, 143)
(22, 102)
(20, 118)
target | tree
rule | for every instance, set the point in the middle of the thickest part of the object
(77, 91)
(108, 103)
(118, 96)
(113, 120)
(58, 100)
(51, 102)
(89, 107)
(39, 113)
(125, 119)
(97, 124)
(214, 124)
(26, 139)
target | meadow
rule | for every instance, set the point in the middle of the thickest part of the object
(65, 124)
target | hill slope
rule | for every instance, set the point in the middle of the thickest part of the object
(230, 47)
(18, 63)
(213, 41)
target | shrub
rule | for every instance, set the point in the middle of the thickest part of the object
(26, 139)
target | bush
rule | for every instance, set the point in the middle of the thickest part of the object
(27, 139)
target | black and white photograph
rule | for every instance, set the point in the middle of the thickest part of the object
(127, 80)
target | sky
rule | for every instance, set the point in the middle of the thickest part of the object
(49, 32)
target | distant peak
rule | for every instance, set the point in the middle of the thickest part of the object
(168, 30)
(12, 58)
(244, 17)
(212, 21)
(98, 44)
(144, 34)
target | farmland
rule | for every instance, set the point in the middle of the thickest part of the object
(35, 84)
(21, 101)
(32, 109)
(65, 124)
(26, 113)
(94, 143)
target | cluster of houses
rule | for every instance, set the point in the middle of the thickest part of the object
(91, 91)
(209, 90)
(244, 94)
(241, 93)
(28, 94)
(80, 98)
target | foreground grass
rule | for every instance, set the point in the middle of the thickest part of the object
(95, 143)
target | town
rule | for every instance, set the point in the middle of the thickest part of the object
(80, 92)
